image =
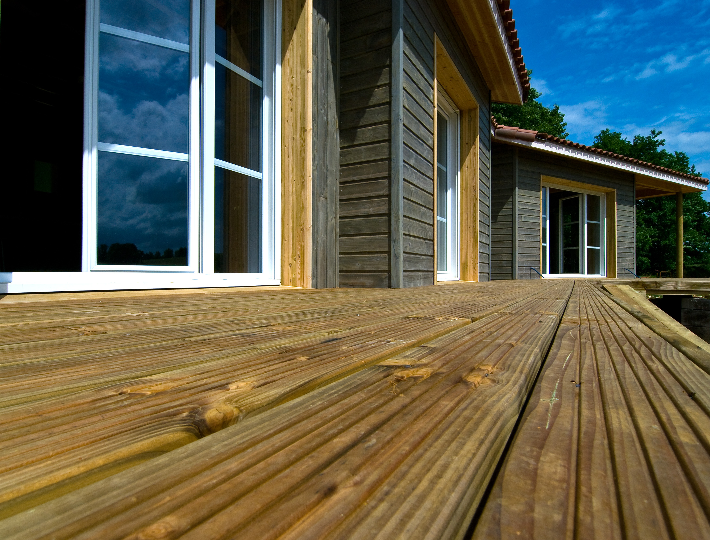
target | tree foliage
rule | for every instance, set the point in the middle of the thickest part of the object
(655, 218)
(532, 115)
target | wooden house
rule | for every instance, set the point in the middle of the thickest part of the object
(574, 207)
(310, 143)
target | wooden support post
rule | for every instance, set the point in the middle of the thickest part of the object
(679, 233)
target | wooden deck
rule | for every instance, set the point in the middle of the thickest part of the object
(416, 413)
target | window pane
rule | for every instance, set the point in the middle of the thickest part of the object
(570, 210)
(237, 241)
(142, 210)
(442, 255)
(570, 235)
(238, 34)
(143, 95)
(442, 128)
(570, 261)
(544, 201)
(168, 20)
(593, 261)
(594, 234)
(238, 129)
(593, 207)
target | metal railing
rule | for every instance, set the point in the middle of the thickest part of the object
(538, 273)
(631, 272)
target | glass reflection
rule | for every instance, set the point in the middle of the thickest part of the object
(238, 34)
(442, 185)
(168, 20)
(237, 240)
(593, 261)
(142, 211)
(593, 207)
(143, 95)
(238, 106)
(570, 261)
(594, 234)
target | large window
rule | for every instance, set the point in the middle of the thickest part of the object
(447, 180)
(180, 146)
(573, 232)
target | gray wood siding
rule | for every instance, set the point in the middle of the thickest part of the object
(364, 193)
(326, 145)
(421, 21)
(532, 165)
(418, 151)
(502, 213)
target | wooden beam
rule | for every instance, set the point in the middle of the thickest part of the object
(611, 231)
(679, 234)
(297, 143)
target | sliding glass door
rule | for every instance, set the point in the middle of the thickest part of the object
(180, 150)
(572, 232)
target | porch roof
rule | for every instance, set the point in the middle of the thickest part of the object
(651, 180)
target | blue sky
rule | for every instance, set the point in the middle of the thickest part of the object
(630, 67)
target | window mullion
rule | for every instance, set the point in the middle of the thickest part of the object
(194, 214)
(208, 130)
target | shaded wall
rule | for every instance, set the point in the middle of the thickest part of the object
(526, 173)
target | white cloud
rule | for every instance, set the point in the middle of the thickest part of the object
(585, 120)
(670, 62)
(541, 86)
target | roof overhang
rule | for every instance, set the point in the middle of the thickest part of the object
(650, 182)
(488, 35)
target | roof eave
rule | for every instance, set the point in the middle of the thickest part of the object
(664, 181)
(489, 33)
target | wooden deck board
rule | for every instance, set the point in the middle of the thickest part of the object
(352, 413)
(612, 444)
(413, 413)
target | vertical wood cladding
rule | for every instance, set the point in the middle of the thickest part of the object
(326, 145)
(502, 213)
(365, 60)
(422, 20)
(532, 166)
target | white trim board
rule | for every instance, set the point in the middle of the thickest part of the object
(43, 282)
(593, 157)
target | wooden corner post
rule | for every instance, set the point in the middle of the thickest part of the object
(297, 143)
(679, 233)
(397, 142)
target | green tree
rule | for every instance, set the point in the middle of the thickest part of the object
(655, 218)
(532, 115)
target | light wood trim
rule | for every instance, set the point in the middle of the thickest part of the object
(297, 143)
(611, 260)
(469, 195)
(679, 234)
(451, 80)
(576, 185)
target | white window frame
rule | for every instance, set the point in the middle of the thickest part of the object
(447, 108)
(582, 196)
(199, 271)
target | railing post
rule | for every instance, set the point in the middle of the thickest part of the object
(679, 233)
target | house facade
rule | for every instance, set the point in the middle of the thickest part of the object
(562, 209)
(310, 143)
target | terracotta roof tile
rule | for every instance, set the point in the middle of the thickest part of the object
(526, 135)
(512, 34)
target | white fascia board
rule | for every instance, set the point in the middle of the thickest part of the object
(593, 157)
(503, 35)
